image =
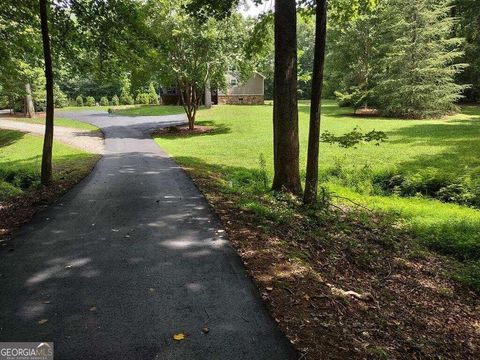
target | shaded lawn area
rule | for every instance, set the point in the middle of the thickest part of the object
(449, 147)
(150, 110)
(21, 194)
(59, 121)
(20, 161)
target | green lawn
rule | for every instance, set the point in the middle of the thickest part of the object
(58, 122)
(438, 149)
(150, 110)
(20, 160)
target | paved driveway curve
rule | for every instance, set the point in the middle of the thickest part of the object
(127, 259)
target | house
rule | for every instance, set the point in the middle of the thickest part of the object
(250, 92)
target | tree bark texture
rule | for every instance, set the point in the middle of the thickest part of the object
(46, 175)
(29, 106)
(311, 181)
(285, 105)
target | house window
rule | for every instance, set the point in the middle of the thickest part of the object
(233, 82)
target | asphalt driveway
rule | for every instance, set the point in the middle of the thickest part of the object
(130, 257)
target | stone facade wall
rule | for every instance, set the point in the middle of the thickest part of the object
(240, 99)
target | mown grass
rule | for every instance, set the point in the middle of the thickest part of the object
(448, 148)
(59, 121)
(20, 160)
(150, 110)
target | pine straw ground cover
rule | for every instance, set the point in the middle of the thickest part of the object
(343, 282)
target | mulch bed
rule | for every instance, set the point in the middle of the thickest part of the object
(367, 112)
(333, 302)
(182, 130)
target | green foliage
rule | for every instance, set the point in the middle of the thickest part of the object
(79, 100)
(354, 56)
(420, 62)
(449, 145)
(356, 98)
(398, 56)
(104, 101)
(430, 182)
(152, 95)
(20, 159)
(115, 100)
(60, 98)
(192, 51)
(90, 101)
(306, 45)
(142, 99)
(125, 97)
(469, 274)
(354, 137)
(466, 26)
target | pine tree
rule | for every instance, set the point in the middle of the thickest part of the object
(152, 95)
(419, 65)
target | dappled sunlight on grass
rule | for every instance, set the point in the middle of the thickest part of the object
(443, 149)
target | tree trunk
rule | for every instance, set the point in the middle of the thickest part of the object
(191, 121)
(29, 106)
(285, 106)
(208, 95)
(311, 181)
(46, 176)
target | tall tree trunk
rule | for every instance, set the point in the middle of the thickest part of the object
(208, 95)
(46, 175)
(29, 106)
(311, 181)
(285, 105)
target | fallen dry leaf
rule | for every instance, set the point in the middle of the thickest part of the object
(179, 337)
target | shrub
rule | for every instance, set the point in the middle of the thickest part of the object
(60, 98)
(357, 98)
(432, 183)
(79, 100)
(126, 99)
(143, 99)
(152, 95)
(90, 101)
(115, 100)
(104, 101)
(7, 190)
